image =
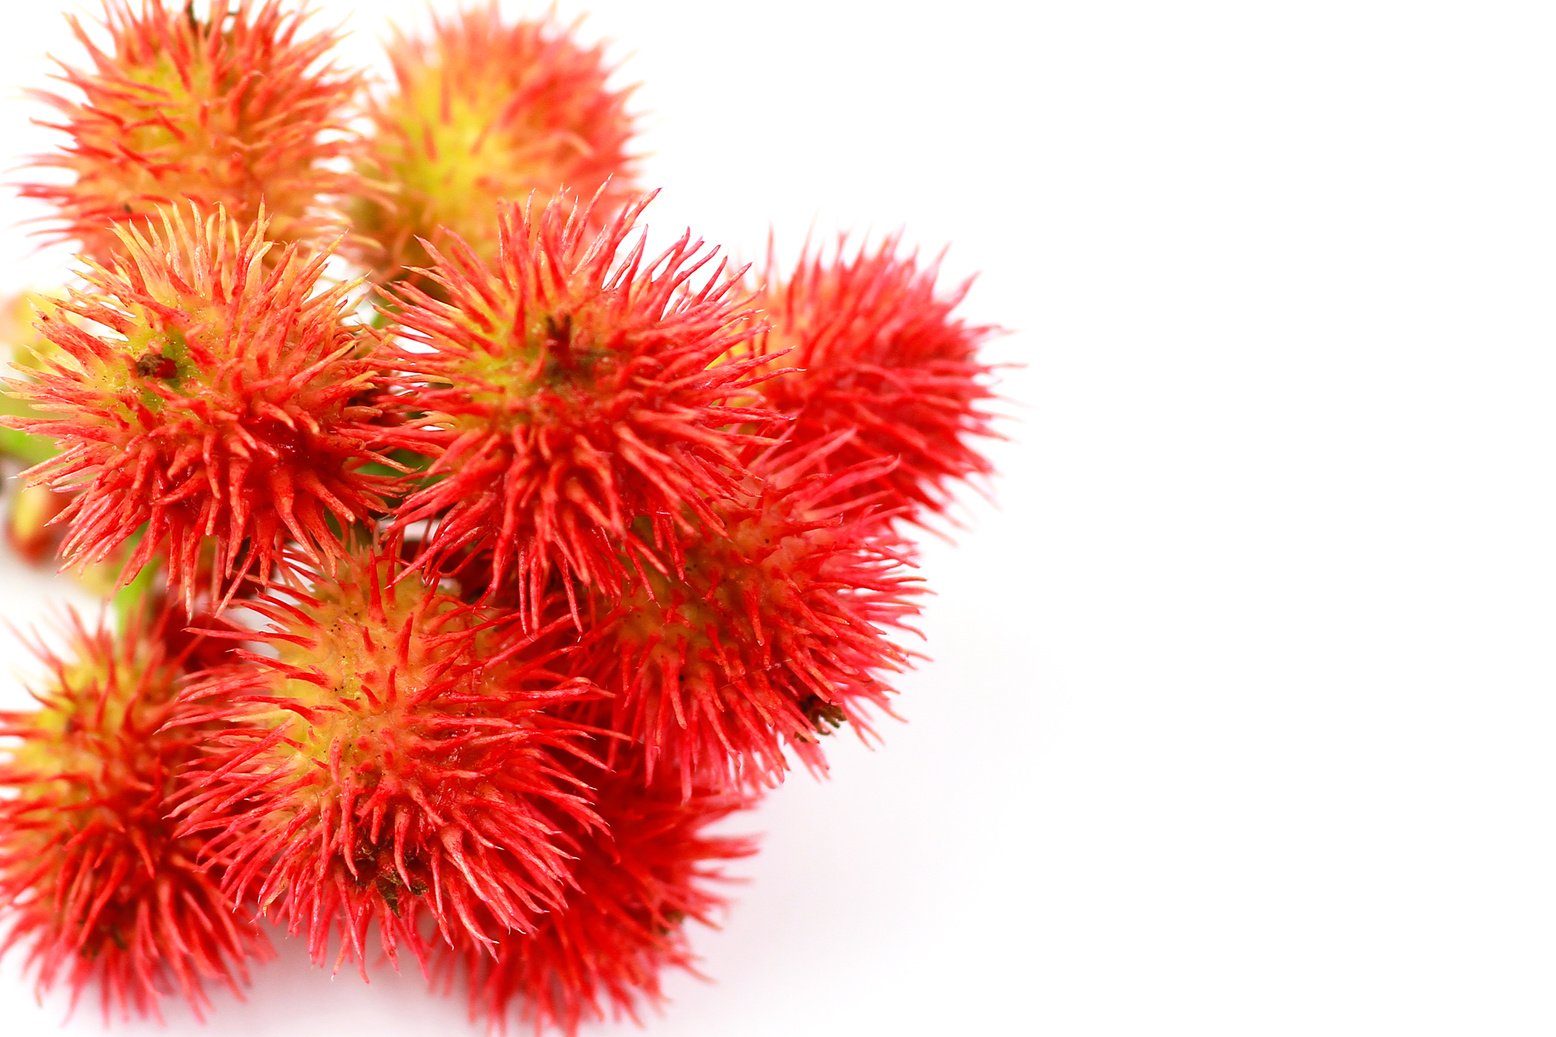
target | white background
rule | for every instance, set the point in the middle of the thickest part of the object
(1241, 719)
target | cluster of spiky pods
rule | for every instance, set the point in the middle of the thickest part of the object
(459, 598)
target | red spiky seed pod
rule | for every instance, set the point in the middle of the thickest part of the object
(641, 878)
(486, 110)
(93, 873)
(863, 341)
(19, 335)
(764, 633)
(213, 399)
(569, 388)
(238, 109)
(385, 759)
(29, 523)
